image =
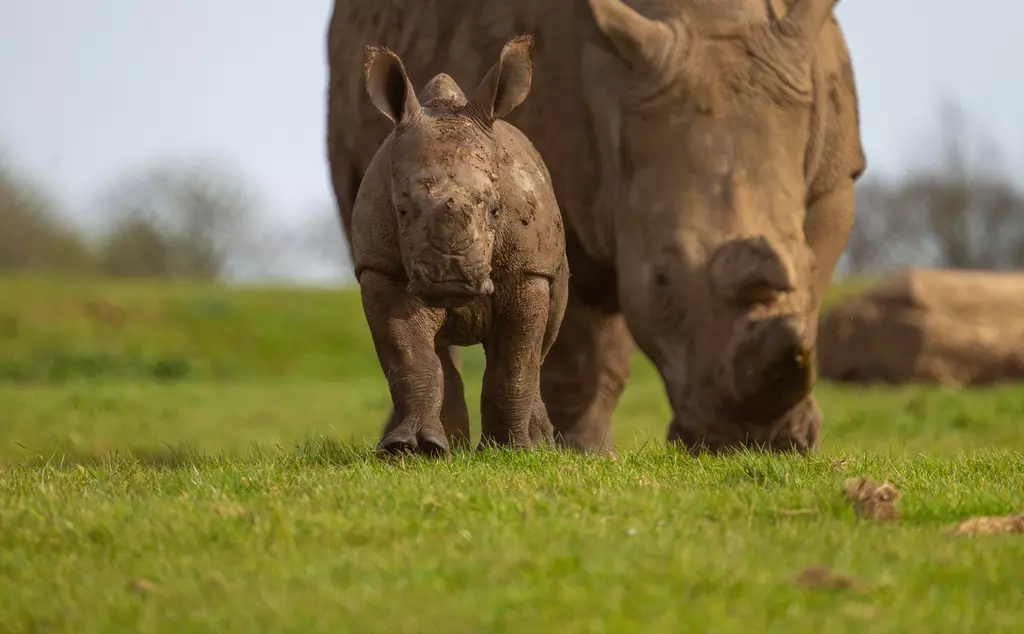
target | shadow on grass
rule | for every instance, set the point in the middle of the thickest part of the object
(747, 464)
(314, 452)
(318, 452)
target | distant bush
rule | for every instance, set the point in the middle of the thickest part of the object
(166, 220)
(32, 235)
(176, 220)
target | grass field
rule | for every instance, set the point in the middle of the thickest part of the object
(188, 458)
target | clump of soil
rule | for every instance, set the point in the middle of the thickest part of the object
(871, 499)
(991, 525)
(822, 578)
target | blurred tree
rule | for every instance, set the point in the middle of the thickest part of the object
(323, 242)
(176, 220)
(963, 210)
(32, 234)
(135, 246)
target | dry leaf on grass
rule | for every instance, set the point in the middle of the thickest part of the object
(871, 499)
(991, 525)
(142, 586)
(862, 611)
(821, 578)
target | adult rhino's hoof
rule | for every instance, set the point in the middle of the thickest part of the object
(432, 443)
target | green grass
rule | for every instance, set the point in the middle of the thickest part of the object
(239, 492)
(88, 421)
(61, 329)
(321, 538)
(56, 330)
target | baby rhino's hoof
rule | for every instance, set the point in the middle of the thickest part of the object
(432, 443)
(397, 442)
(427, 442)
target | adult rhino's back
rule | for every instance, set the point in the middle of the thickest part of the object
(460, 38)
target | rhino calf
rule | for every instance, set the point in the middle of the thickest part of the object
(457, 239)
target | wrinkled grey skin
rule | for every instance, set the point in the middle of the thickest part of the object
(704, 154)
(458, 240)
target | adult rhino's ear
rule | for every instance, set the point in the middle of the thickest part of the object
(508, 82)
(388, 85)
(614, 26)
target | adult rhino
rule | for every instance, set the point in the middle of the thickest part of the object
(704, 155)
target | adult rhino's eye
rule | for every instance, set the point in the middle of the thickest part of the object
(494, 211)
(402, 211)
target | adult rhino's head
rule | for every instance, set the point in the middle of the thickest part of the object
(443, 180)
(706, 111)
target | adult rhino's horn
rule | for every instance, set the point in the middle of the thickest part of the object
(810, 15)
(638, 41)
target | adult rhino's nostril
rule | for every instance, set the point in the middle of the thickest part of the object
(770, 368)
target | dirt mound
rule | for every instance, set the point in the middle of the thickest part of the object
(822, 578)
(949, 327)
(871, 499)
(991, 525)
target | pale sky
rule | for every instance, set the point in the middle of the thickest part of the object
(90, 88)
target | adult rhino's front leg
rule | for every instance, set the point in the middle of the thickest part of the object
(585, 374)
(403, 332)
(511, 382)
(454, 413)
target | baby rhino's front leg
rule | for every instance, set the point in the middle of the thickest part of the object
(511, 383)
(403, 332)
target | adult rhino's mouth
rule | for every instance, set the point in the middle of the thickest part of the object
(450, 292)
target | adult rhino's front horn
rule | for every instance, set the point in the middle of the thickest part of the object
(640, 42)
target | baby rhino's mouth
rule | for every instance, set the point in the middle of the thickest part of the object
(450, 292)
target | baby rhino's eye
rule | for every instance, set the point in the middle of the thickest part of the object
(494, 210)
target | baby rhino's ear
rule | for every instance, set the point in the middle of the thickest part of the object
(508, 82)
(388, 85)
